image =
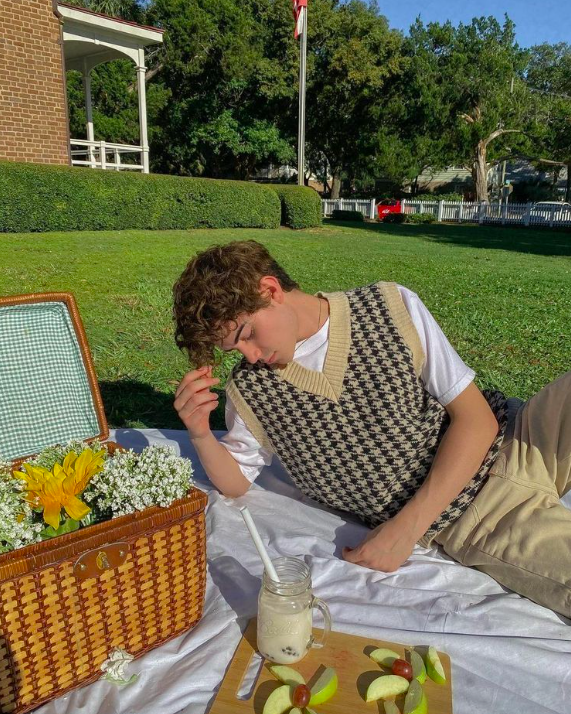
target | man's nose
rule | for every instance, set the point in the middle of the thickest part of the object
(252, 354)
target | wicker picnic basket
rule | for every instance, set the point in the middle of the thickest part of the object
(133, 582)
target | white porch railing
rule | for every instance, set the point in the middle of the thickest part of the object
(105, 155)
(526, 214)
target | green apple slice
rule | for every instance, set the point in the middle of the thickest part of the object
(324, 688)
(287, 675)
(415, 701)
(279, 700)
(434, 667)
(391, 707)
(386, 687)
(384, 656)
(295, 710)
(417, 664)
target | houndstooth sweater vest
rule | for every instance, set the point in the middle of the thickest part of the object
(361, 435)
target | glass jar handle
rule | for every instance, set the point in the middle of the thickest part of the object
(324, 610)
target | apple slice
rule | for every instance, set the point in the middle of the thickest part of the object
(279, 700)
(324, 688)
(391, 707)
(434, 667)
(295, 710)
(287, 675)
(417, 664)
(415, 701)
(384, 656)
(386, 687)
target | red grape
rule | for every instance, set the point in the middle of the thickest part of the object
(301, 696)
(402, 669)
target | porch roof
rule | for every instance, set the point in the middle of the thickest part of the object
(91, 38)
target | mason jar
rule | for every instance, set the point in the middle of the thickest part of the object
(285, 613)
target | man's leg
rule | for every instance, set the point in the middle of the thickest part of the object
(516, 530)
(540, 451)
(520, 536)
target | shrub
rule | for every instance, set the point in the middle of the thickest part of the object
(420, 217)
(51, 198)
(301, 206)
(437, 197)
(394, 218)
(342, 215)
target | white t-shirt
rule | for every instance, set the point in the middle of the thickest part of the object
(444, 375)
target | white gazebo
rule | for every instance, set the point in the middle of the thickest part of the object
(89, 39)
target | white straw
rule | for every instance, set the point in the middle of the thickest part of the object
(269, 566)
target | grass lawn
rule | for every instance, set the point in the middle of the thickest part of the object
(502, 296)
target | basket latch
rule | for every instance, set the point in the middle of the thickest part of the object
(95, 562)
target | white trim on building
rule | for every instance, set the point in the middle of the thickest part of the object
(89, 39)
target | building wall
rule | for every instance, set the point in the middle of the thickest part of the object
(33, 107)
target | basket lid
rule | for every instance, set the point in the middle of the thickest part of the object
(48, 388)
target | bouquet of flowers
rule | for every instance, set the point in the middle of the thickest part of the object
(66, 487)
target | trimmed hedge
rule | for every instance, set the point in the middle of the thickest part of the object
(339, 214)
(60, 198)
(394, 218)
(301, 206)
(420, 218)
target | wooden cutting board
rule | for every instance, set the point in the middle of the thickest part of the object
(348, 654)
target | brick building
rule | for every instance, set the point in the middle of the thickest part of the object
(33, 108)
(39, 40)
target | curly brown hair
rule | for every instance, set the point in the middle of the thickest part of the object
(216, 287)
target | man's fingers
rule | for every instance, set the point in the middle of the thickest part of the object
(187, 409)
(193, 389)
(192, 376)
(350, 555)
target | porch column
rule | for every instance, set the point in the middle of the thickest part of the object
(88, 112)
(141, 70)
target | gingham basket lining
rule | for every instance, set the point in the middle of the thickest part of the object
(45, 397)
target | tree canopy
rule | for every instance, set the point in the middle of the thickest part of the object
(223, 92)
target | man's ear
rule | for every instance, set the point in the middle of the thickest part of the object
(270, 287)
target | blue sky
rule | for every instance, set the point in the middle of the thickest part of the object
(536, 21)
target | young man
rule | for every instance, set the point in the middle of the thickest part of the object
(372, 412)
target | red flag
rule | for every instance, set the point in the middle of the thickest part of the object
(298, 10)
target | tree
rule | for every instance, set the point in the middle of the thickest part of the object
(481, 69)
(125, 9)
(229, 69)
(415, 115)
(352, 57)
(549, 76)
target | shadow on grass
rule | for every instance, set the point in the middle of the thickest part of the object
(137, 405)
(543, 241)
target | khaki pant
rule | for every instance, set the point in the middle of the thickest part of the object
(516, 529)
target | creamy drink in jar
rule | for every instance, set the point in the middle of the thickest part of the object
(285, 613)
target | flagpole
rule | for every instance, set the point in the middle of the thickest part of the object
(301, 128)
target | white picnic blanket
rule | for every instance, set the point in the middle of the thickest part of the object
(508, 654)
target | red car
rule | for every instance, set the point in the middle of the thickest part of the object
(388, 205)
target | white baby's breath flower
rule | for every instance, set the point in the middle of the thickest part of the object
(52, 455)
(16, 526)
(132, 482)
(5, 470)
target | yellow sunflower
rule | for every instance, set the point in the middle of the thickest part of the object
(59, 488)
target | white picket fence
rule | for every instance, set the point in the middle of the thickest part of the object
(526, 214)
(367, 206)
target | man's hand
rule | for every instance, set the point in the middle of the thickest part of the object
(386, 548)
(194, 401)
